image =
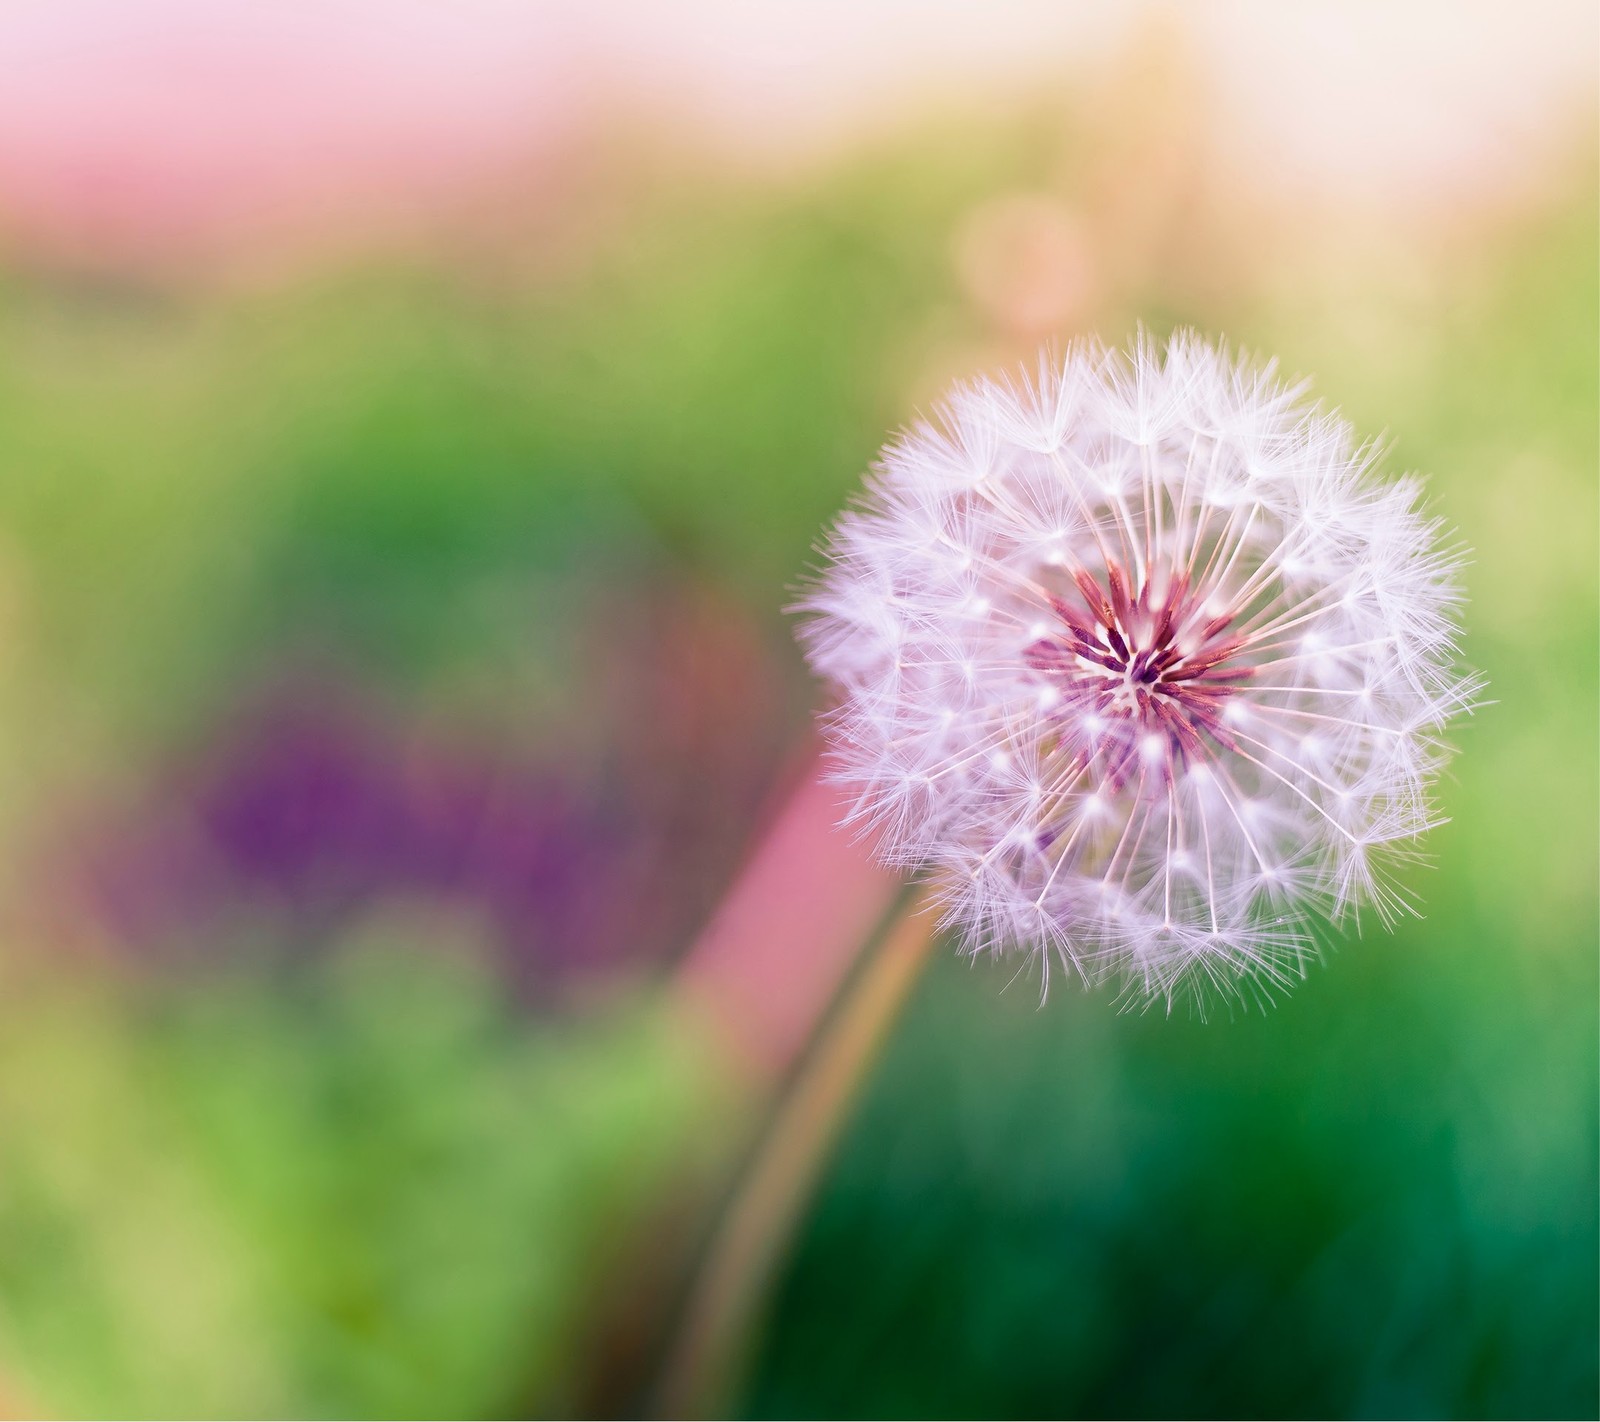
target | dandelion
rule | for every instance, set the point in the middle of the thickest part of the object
(1145, 665)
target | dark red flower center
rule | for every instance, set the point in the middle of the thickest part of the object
(1158, 663)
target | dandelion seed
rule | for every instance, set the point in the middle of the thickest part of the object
(1145, 665)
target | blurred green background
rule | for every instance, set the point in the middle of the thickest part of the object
(393, 672)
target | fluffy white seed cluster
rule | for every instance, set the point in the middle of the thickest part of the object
(1144, 663)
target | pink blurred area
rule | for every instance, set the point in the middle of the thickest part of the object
(164, 130)
(171, 128)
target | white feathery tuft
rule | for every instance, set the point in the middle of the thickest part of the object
(1145, 664)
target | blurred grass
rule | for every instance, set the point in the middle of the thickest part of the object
(376, 1194)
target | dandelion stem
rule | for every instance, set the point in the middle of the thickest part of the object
(716, 1323)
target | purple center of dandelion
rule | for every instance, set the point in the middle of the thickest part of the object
(1156, 669)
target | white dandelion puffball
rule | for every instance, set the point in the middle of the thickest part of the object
(1144, 664)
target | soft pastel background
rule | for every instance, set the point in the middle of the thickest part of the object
(412, 418)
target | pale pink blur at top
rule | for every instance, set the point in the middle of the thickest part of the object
(170, 128)
(164, 129)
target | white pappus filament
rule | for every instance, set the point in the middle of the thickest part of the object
(1144, 663)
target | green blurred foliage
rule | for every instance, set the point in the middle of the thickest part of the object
(374, 1192)
(419, 471)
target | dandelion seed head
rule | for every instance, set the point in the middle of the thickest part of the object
(1145, 665)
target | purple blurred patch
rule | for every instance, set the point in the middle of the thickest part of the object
(313, 804)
